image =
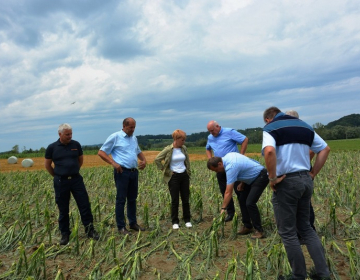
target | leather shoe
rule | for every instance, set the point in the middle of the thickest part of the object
(258, 235)
(228, 218)
(124, 231)
(245, 231)
(137, 227)
(93, 234)
(285, 277)
(64, 239)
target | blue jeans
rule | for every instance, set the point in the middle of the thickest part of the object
(126, 189)
(291, 203)
(75, 186)
(248, 199)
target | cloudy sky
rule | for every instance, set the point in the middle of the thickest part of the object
(172, 64)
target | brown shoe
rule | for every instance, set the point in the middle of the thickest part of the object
(124, 231)
(137, 227)
(258, 235)
(245, 231)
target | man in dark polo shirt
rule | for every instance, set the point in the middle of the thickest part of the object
(67, 156)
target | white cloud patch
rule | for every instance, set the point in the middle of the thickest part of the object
(172, 64)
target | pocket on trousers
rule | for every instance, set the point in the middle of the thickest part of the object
(57, 188)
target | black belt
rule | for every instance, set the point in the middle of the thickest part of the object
(68, 177)
(129, 169)
(297, 173)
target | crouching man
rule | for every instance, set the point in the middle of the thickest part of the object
(254, 179)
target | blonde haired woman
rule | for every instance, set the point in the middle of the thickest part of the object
(176, 170)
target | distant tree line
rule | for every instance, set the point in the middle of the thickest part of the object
(347, 127)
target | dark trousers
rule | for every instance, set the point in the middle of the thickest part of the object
(312, 216)
(312, 219)
(248, 199)
(221, 177)
(291, 203)
(126, 190)
(179, 184)
(75, 186)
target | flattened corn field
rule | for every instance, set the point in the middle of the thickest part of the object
(29, 233)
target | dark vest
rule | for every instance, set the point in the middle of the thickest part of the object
(287, 129)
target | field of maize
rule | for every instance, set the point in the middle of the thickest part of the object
(29, 233)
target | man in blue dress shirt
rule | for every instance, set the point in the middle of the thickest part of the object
(254, 179)
(221, 141)
(125, 152)
(287, 142)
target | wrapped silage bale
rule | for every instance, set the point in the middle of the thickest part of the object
(28, 162)
(12, 160)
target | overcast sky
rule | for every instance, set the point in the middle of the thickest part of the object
(172, 64)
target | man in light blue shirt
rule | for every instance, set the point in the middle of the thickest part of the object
(287, 142)
(125, 152)
(221, 141)
(253, 178)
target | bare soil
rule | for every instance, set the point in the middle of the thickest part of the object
(89, 161)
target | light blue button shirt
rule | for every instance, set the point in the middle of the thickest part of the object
(225, 142)
(241, 168)
(293, 157)
(123, 149)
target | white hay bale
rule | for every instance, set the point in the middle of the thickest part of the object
(28, 162)
(12, 160)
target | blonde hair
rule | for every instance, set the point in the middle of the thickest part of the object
(178, 133)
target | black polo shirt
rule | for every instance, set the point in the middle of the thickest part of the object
(65, 157)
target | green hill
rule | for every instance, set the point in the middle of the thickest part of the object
(352, 120)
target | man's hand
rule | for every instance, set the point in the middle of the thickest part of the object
(142, 161)
(277, 181)
(240, 187)
(142, 164)
(117, 167)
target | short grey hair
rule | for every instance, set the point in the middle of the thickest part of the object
(292, 113)
(64, 126)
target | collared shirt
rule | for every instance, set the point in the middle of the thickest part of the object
(293, 157)
(226, 142)
(241, 168)
(123, 149)
(65, 157)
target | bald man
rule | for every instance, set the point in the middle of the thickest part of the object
(222, 141)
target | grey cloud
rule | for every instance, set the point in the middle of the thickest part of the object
(80, 9)
(26, 37)
(120, 48)
(114, 36)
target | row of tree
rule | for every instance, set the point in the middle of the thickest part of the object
(347, 127)
(254, 134)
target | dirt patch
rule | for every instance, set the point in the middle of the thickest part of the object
(89, 161)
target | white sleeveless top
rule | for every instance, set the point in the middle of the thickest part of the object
(177, 163)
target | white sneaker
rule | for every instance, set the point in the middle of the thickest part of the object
(188, 225)
(175, 226)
